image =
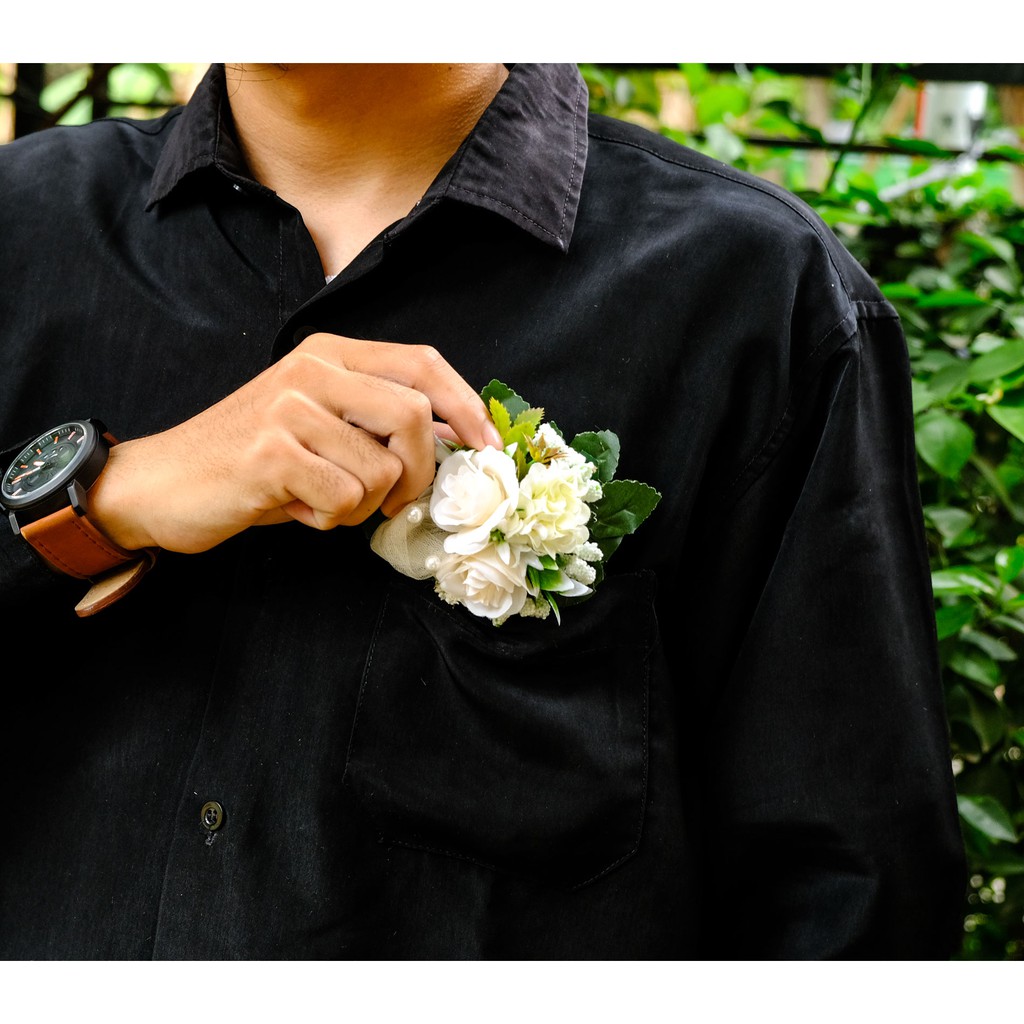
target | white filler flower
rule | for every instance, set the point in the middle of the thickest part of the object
(552, 509)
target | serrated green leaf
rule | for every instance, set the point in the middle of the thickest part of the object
(527, 421)
(500, 418)
(624, 505)
(600, 447)
(504, 394)
(988, 816)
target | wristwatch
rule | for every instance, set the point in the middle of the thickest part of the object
(44, 491)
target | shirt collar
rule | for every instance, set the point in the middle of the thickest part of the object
(524, 159)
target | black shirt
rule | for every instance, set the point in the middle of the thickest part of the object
(735, 749)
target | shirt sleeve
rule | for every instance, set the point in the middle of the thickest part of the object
(833, 829)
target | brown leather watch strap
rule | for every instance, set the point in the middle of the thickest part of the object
(73, 546)
(112, 586)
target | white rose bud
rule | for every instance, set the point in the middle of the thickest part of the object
(490, 583)
(475, 493)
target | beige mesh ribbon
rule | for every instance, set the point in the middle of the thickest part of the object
(410, 542)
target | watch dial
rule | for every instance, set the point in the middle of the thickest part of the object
(43, 460)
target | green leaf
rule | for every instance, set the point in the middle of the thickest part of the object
(976, 666)
(500, 417)
(504, 394)
(1003, 279)
(944, 442)
(950, 522)
(919, 147)
(988, 816)
(984, 716)
(950, 619)
(717, 101)
(997, 363)
(600, 447)
(922, 397)
(992, 245)
(527, 421)
(624, 505)
(950, 299)
(963, 579)
(900, 290)
(950, 378)
(1009, 563)
(1009, 415)
(996, 649)
(1011, 153)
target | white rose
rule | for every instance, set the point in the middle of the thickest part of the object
(551, 508)
(490, 583)
(475, 492)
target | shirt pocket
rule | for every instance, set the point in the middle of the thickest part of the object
(521, 747)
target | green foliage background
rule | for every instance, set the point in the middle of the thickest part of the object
(948, 254)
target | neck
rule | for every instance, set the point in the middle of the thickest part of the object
(317, 126)
(354, 146)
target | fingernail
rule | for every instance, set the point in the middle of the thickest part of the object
(492, 437)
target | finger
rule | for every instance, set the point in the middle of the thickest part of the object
(399, 416)
(423, 369)
(334, 468)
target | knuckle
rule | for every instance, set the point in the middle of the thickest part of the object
(382, 471)
(430, 358)
(416, 410)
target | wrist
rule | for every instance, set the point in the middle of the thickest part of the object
(114, 505)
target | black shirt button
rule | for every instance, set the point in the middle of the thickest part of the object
(212, 816)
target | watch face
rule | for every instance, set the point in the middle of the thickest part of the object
(48, 463)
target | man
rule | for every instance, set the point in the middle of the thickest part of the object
(274, 745)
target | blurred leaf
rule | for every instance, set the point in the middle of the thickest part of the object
(962, 579)
(993, 245)
(995, 648)
(944, 442)
(976, 666)
(1009, 415)
(950, 619)
(717, 101)
(988, 816)
(1009, 563)
(949, 298)
(998, 362)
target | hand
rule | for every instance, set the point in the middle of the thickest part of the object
(333, 431)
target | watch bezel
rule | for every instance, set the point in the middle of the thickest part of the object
(69, 485)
